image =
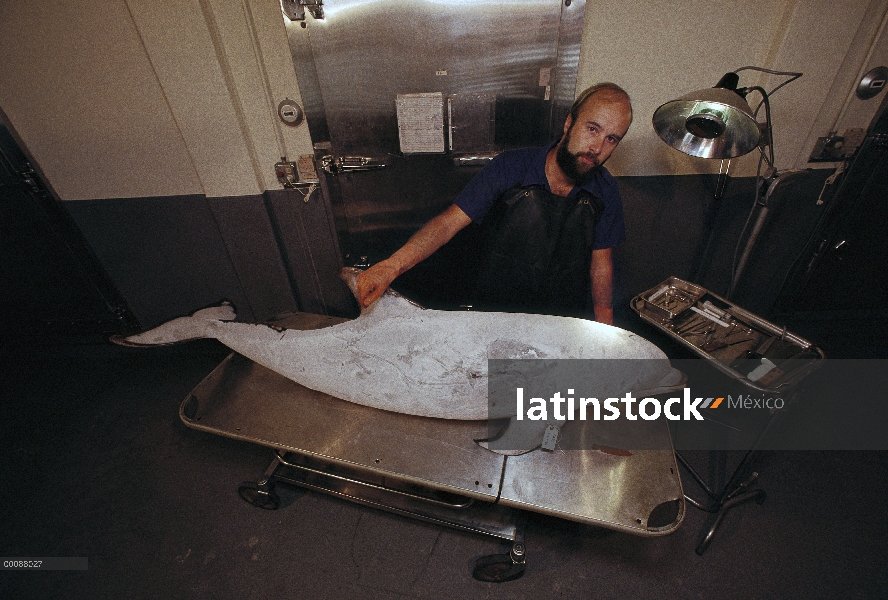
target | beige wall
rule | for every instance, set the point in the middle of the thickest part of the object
(661, 50)
(131, 98)
(77, 86)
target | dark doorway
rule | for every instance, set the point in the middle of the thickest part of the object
(51, 282)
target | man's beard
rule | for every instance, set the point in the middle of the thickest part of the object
(570, 164)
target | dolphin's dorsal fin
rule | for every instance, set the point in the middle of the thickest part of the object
(221, 312)
(391, 302)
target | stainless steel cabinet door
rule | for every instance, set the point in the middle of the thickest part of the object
(505, 72)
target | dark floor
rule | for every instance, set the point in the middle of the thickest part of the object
(96, 463)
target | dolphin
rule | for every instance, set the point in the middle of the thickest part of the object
(402, 357)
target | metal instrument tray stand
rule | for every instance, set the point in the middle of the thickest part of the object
(757, 353)
(426, 468)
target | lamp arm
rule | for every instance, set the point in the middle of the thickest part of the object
(792, 76)
(768, 135)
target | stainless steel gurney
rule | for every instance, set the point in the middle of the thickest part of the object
(426, 468)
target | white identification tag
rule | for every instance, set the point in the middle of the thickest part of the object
(550, 437)
(760, 371)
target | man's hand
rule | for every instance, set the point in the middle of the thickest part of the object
(373, 282)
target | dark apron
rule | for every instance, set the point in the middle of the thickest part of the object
(537, 252)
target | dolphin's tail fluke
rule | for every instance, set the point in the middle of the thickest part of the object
(197, 326)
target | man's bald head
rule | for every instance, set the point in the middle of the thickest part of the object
(607, 92)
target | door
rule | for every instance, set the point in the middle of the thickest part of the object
(408, 99)
(844, 267)
(51, 282)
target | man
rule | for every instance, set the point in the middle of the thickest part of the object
(555, 215)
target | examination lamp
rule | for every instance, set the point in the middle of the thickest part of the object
(718, 123)
(714, 122)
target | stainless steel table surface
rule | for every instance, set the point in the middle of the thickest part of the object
(243, 400)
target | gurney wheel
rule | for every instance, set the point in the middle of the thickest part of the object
(252, 493)
(497, 568)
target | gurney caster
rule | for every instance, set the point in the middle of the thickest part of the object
(499, 568)
(260, 494)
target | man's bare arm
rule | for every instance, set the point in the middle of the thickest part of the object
(434, 234)
(602, 275)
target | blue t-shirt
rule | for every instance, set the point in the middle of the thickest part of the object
(527, 166)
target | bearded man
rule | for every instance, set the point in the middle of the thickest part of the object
(552, 217)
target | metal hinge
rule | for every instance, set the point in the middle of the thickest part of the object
(295, 9)
(30, 179)
(343, 164)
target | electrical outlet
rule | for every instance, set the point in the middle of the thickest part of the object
(286, 172)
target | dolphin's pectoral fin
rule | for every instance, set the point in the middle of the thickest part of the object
(223, 311)
(675, 380)
(485, 444)
(183, 329)
(516, 437)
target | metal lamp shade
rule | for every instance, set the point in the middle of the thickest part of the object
(710, 123)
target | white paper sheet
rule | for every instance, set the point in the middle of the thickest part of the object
(421, 122)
